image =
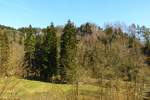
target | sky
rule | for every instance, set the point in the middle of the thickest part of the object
(40, 13)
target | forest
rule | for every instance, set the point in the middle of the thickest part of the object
(113, 61)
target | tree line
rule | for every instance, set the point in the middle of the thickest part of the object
(47, 56)
(62, 54)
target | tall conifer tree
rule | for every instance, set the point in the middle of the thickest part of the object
(50, 53)
(68, 51)
(29, 44)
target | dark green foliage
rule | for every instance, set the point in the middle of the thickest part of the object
(29, 44)
(50, 58)
(38, 55)
(85, 29)
(27, 30)
(68, 50)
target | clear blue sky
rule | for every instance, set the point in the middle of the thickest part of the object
(41, 13)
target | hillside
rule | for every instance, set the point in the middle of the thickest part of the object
(69, 62)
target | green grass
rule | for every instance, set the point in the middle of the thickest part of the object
(24, 89)
(36, 90)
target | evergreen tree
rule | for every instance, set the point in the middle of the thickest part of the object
(29, 44)
(38, 55)
(50, 57)
(85, 29)
(68, 51)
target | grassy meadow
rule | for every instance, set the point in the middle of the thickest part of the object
(21, 89)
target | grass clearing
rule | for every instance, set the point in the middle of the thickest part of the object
(36, 90)
(14, 87)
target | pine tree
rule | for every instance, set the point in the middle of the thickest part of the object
(86, 29)
(50, 53)
(29, 44)
(38, 55)
(68, 51)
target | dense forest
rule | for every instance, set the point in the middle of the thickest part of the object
(69, 54)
